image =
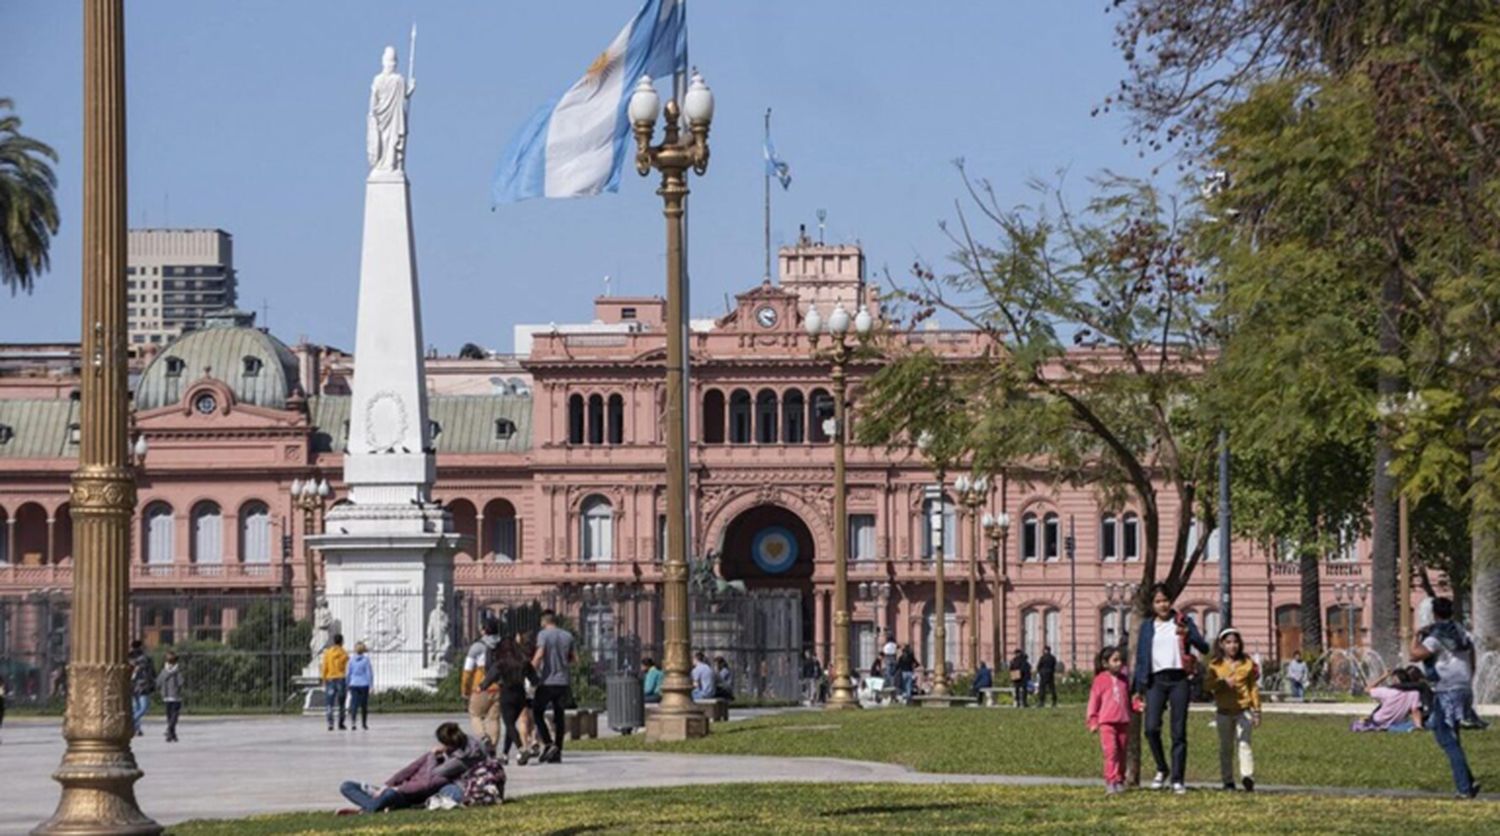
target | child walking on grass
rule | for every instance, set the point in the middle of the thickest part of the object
(1109, 714)
(1231, 680)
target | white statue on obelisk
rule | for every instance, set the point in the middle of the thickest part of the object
(385, 131)
(389, 549)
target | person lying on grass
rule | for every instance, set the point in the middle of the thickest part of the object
(439, 769)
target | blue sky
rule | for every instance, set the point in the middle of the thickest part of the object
(250, 117)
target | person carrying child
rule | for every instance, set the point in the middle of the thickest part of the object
(1109, 712)
(1232, 681)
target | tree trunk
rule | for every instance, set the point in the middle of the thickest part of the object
(1486, 597)
(1311, 615)
(1385, 618)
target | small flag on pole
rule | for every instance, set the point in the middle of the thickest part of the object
(575, 145)
(777, 167)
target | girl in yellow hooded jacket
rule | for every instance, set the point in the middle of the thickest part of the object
(1233, 681)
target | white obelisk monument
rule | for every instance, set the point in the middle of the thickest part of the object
(388, 551)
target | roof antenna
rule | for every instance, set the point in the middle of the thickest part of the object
(822, 218)
(606, 285)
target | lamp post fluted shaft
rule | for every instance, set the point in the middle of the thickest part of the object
(940, 602)
(842, 695)
(98, 770)
(677, 717)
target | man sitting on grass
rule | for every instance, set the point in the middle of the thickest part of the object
(419, 780)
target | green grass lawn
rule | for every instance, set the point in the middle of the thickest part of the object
(902, 808)
(1289, 749)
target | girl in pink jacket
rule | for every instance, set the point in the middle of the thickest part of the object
(1109, 715)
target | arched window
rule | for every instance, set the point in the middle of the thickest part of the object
(4, 539)
(1213, 622)
(713, 417)
(1211, 548)
(765, 417)
(597, 533)
(255, 532)
(575, 419)
(599, 633)
(1109, 545)
(820, 409)
(939, 528)
(1342, 627)
(1288, 631)
(158, 534)
(596, 419)
(1041, 627)
(1031, 536)
(1132, 536)
(739, 417)
(208, 534)
(1114, 625)
(616, 419)
(793, 417)
(1051, 538)
(929, 633)
(500, 516)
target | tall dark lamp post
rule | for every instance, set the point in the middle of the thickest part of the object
(837, 328)
(997, 528)
(972, 493)
(928, 445)
(677, 718)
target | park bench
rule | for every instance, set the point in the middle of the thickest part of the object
(991, 697)
(716, 710)
(578, 723)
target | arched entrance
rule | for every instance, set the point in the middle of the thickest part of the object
(770, 547)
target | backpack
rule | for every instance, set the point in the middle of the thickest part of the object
(484, 785)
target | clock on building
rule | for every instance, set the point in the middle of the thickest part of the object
(206, 404)
(766, 317)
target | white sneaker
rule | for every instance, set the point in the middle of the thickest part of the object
(1159, 782)
(1179, 789)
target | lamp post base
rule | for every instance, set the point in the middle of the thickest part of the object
(668, 728)
(842, 698)
(98, 796)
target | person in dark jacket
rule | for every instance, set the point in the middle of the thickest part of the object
(507, 668)
(142, 683)
(1020, 677)
(419, 780)
(983, 678)
(1046, 678)
(1164, 664)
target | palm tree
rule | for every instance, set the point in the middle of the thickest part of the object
(28, 208)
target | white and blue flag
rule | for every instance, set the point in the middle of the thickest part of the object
(575, 145)
(776, 166)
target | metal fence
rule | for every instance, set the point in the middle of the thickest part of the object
(250, 651)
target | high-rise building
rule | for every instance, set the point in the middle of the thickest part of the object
(176, 278)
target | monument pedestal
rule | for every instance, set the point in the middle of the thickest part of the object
(668, 728)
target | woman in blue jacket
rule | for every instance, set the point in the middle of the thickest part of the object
(361, 678)
(1164, 663)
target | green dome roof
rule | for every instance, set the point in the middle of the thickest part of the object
(258, 367)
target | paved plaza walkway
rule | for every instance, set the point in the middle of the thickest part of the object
(227, 767)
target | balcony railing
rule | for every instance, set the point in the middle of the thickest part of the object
(258, 574)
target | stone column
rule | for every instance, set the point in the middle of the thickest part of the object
(98, 771)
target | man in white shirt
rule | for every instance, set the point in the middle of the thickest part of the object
(1296, 676)
(1450, 651)
(703, 678)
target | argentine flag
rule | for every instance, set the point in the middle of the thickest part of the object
(575, 145)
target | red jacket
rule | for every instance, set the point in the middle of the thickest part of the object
(1109, 700)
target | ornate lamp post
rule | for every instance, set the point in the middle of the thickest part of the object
(1119, 596)
(972, 494)
(926, 443)
(309, 498)
(98, 771)
(879, 594)
(997, 527)
(837, 327)
(677, 717)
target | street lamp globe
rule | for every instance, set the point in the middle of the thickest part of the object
(296, 487)
(961, 484)
(838, 321)
(140, 446)
(863, 322)
(644, 102)
(981, 484)
(813, 322)
(698, 104)
(989, 521)
(323, 489)
(924, 440)
(1003, 521)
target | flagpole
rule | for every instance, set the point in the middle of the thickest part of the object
(766, 150)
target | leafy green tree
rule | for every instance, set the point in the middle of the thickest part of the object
(28, 207)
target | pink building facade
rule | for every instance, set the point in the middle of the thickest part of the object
(553, 464)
